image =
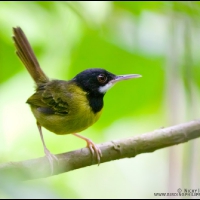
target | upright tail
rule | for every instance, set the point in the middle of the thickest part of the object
(27, 56)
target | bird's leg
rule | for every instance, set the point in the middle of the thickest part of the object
(92, 146)
(48, 154)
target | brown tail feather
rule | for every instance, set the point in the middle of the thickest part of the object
(27, 56)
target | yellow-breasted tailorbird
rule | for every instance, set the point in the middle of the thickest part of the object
(65, 107)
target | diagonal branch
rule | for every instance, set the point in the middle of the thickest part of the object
(113, 150)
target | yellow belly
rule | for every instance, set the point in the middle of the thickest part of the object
(80, 116)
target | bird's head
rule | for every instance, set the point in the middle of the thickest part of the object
(97, 81)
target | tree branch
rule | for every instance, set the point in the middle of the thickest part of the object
(113, 150)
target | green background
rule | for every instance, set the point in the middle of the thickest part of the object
(159, 40)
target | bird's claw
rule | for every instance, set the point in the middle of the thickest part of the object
(94, 148)
(51, 158)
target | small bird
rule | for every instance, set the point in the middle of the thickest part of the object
(65, 107)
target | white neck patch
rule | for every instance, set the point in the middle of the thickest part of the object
(105, 88)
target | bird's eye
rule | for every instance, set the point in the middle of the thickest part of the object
(102, 78)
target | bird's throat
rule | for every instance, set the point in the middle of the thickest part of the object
(95, 102)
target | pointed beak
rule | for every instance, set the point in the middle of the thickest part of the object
(115, 79)
(125, 77)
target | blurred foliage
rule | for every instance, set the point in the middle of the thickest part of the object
(122, 37)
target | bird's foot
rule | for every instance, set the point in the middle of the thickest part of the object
(94, 149)
(92, 146)
(51, 158)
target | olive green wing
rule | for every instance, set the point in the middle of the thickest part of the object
(52, 98)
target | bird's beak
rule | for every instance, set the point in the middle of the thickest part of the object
(103, 89)
(125, 77)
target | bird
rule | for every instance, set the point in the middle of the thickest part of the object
(65, 107)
